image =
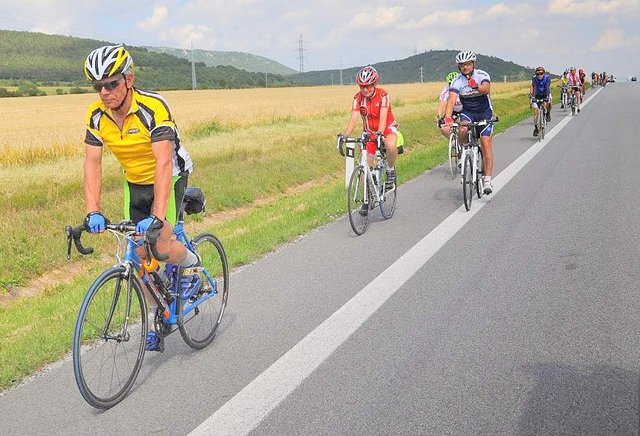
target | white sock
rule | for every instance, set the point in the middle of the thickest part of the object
(190, 260)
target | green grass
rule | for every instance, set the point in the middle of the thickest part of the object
(273, 159)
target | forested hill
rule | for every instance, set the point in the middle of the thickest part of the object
(53, 59)
(435, 64)
(240, 60)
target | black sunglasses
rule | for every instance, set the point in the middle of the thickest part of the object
(109, 86)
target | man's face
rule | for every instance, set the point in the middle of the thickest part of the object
(466, 67)
(112, 90)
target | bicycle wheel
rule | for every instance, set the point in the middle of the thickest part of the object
(479, 174)
(109, 338)
(358, 208)
(543, 125)
(467, 181)
(453, 155)
(199, 316)
(388, 201)
(539, 124)
(564, 102)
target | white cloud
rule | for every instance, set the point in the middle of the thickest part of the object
(594, 7)
(610, 39)
(156, 20)
(380, 18)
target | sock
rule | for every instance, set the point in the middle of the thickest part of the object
(190, 260)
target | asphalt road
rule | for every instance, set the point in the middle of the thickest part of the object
(518, 317)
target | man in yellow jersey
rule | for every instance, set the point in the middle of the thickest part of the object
(138, 128)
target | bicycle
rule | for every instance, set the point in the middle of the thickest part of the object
(564, 98)
(572, 99)
(472, 169)
(541, 122)
(368, 185)
(110, 334)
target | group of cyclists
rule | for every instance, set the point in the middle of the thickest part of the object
(139, 129)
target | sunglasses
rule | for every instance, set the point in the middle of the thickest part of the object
(109, 86)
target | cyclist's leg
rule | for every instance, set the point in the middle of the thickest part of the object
(390, 144)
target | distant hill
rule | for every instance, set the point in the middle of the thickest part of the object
(435, 64)
(52, 59)
(236, 59)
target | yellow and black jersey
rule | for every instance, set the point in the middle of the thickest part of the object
(149, 120)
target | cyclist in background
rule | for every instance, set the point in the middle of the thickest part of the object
(373, 105)
(442, 104)
(540, 90)
(574, 85)
(473, 87)
(583, 80)
(563, 87)
(138, 128)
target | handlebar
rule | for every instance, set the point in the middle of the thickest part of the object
(150, 239)
(363, 139)
(477, 123)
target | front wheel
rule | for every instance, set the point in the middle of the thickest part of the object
(453, 155)
(388, 197)
(359, 202)
(467, 181)
(109, 338)
(199, 314)
(479, 174)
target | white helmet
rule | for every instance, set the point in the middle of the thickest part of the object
(106, 62)
(465, 56)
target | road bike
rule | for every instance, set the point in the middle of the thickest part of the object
(541, 121)
(472, 169)
(110, 334)
(368, 185)
(572, 99)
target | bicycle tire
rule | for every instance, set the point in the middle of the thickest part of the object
(479, 174)
(453, 155)
(388, 197)
(200, 315)
(356, 194)
(108, 335)
(467, 181)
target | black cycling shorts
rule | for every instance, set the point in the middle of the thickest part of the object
(138, 199)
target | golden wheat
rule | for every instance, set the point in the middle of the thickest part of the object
(42, 129)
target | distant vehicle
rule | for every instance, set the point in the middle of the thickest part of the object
(634, 79)
(611, 79)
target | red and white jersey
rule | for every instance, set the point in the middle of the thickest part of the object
(573, 79)
(369, 108)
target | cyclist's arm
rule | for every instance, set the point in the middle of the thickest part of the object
(382, 124)
(453, 95)
(442, 106)
(352, 123)
(163, 152)
(484, 87)
(92, 177)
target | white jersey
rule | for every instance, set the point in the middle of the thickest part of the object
(472, 100)
(444, 96)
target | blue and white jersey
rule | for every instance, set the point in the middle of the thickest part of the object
(472, 100)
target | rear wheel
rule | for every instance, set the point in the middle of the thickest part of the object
(453, 155)
(199, 314)
(467, 181)
(358, 201)
(109, 338)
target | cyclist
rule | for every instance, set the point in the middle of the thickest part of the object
(373, 105)
(583, 80)
(574, 85)
(138, 128)
(563, 87)
(540, 90)
(473, 86)
(442, 105)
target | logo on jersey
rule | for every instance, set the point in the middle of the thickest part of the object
(363, 110)
(133, 131)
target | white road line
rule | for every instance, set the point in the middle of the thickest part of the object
(251, 405)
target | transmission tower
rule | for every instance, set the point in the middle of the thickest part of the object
(194, 84)
(301, 53)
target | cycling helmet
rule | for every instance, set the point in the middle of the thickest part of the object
(580, 70)
(572, 69)
(540, 69)
(451, 76)
(367, 76)
(106, 62)
(465, 56)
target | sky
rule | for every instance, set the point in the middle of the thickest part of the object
(600, 35)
